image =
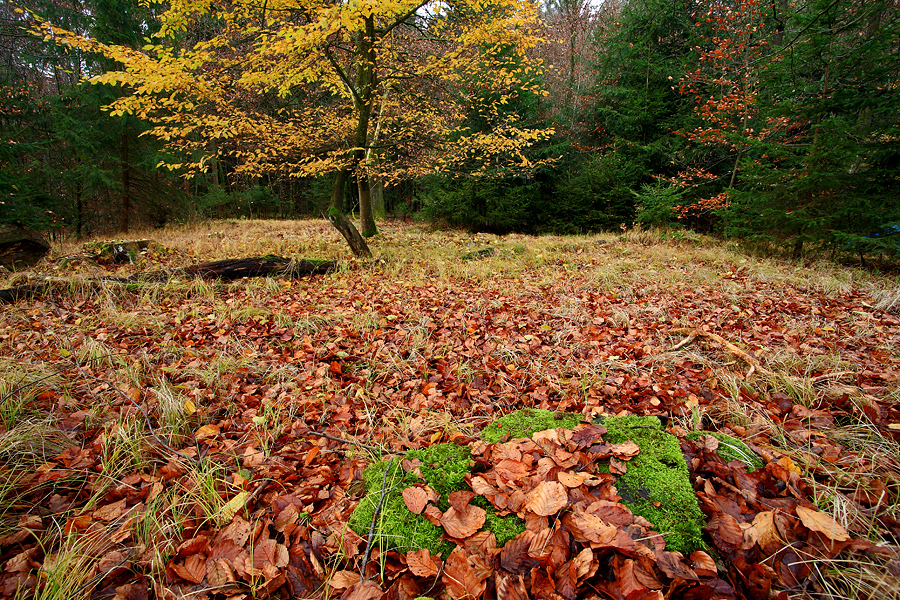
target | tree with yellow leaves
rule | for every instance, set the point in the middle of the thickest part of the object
(362, 89)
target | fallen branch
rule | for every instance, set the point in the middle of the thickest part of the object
(731, 348)
(223, 270)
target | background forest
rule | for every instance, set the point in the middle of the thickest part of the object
(776, 122)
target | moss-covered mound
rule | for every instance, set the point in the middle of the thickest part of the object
(443, 468)
(732, 449)
(524, 423)
(657, 485)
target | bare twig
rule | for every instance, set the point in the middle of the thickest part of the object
(362, 570)
(831, 376)
(353, 442)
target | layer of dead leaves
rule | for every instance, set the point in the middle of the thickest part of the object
(435, 352)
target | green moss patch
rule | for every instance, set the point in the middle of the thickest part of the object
(658, 475)
(732, 449)
(443, 468)
(524, 423)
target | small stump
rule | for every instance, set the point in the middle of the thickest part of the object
(119, 251)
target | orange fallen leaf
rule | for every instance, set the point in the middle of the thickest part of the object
(207, 432)
(311, 455)
(824, 524)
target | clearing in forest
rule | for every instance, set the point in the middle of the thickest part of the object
(195, 438)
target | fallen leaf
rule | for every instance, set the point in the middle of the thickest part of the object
(193, 569)
(207, 432)
(110, 512)
(824, 524)
(461, 525)
(460, 499)
(460, 579)
(231, 508)
(547, 498)
(363, 590)
(415, 499)
(617, 467)
(311, 455)
(341, 580)
(625, 450)
(572, 480)
(253, 457)
(422, 564)
(703, 564)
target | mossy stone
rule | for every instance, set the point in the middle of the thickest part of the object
(443, 468)
(732, 449)
(526, 422)
(658, 475)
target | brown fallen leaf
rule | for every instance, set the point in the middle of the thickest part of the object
(461, 525)
(363, 590)
(625, 450)
(703, 564)
(110, 512)
(617, 467)
(341, 580)
(415, 499)
(219, 572)
(673, 565)
(422, 564)
(460, 499)
(193, 569)
(460, 579)
(824, 524)
(572, 480)
(433, 514)
(547, 498)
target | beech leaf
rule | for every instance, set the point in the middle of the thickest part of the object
(415, 499)
(422, 564)
(824, 524)
(547, 498)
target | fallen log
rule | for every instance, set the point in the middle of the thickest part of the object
(222, 270)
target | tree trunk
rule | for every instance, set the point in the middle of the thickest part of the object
(366, 215)
(365, 84)
(126, 184)
(377, 189)
(340, 222)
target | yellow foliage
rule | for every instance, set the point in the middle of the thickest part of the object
(302, 86)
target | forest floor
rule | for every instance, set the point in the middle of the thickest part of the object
(165, 439)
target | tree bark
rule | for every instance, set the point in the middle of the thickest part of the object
(340, 222)
(365, 84)
(366, 214)
(126, 183)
